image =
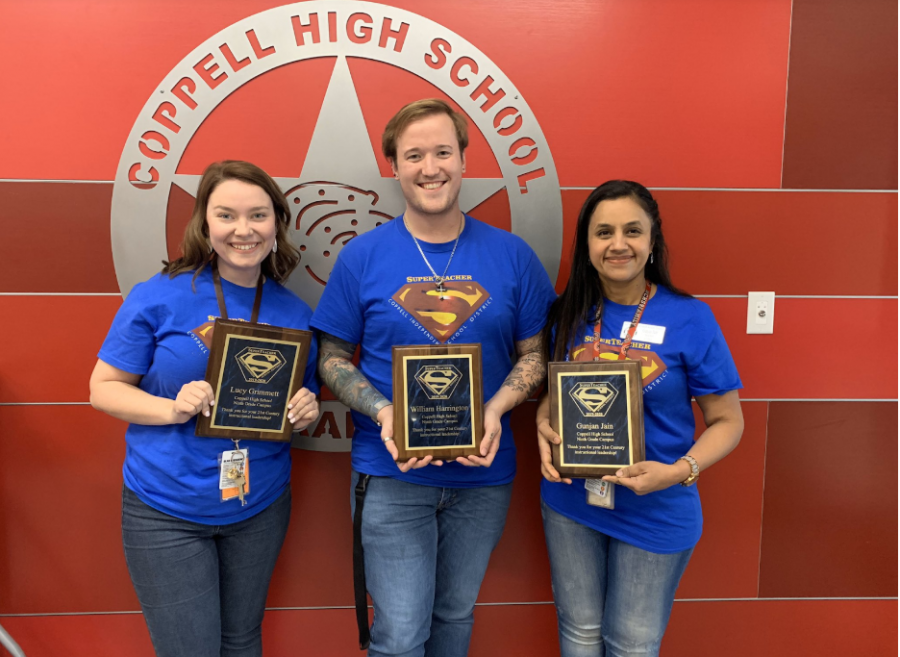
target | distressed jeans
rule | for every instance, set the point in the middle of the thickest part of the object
(612, 599)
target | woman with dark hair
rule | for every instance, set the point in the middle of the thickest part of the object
(615, 567)
(199, 559)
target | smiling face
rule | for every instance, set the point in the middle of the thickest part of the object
(429, 165)
(619, 241)
(241, 222)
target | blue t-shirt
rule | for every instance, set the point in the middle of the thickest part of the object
(376, 298)
(162, 332)
(691, 360)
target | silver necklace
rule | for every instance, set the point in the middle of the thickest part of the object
(437, 280)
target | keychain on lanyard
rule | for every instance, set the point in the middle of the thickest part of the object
(234, 464)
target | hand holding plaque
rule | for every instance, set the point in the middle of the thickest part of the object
(438, 401)
(597, 408)
(254, 371)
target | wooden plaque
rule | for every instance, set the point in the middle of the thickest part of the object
(438, 400)
(597, 408)
(254, 371)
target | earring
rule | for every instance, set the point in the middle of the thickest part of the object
(275, 247)
(209, 246)
(651, 258)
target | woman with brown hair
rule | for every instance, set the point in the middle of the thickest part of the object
(199, 559)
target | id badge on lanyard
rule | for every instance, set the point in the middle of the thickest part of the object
(603, 493)
(234, 474)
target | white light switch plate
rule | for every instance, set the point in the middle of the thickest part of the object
(761, 312)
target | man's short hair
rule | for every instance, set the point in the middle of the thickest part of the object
(416, 111)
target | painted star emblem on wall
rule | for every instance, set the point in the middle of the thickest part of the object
(340, 191)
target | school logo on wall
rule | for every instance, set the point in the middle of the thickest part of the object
(337, 191)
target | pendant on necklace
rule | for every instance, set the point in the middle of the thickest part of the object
(441, 289)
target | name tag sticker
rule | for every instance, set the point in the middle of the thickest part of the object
(645, 333)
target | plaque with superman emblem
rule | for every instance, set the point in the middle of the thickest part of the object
(438, 400)
(597, 408)
(254, 371)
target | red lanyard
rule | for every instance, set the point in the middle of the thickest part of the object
(623, 352)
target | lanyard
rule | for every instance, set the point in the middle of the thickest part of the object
(626, 345)
(223, 313)
(220, 297)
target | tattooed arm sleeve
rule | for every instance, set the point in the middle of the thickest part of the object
(344, 380)
(526, 376)
(529, 371)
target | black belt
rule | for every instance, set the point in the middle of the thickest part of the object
(359, 566)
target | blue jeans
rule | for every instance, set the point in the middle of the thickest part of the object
(426, 551)
(612, 599)
(203, 587)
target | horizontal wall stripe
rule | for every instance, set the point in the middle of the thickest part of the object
(83, 403)
(660, 189)
(755, 189)
(77, 182)
(71, 613)
(82, 262)
(722, 232)
(743, 399)
(720, 242)
(778, 599)
(832, 296)
(60, 294)
(791, 399)
(698, 296)
(789, 365)
(477, 604)
(797, 296)
(805, 328)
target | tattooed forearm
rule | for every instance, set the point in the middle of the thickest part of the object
(526, 376)
(529, 371)
(344, 380)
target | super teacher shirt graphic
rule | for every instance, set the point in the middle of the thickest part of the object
(442, 315)
(653, 367)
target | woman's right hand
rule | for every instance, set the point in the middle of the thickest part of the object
(546, 437)
(193, 398)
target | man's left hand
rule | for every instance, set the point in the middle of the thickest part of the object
(490, 443)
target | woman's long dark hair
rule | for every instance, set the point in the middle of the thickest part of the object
(584, 291)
